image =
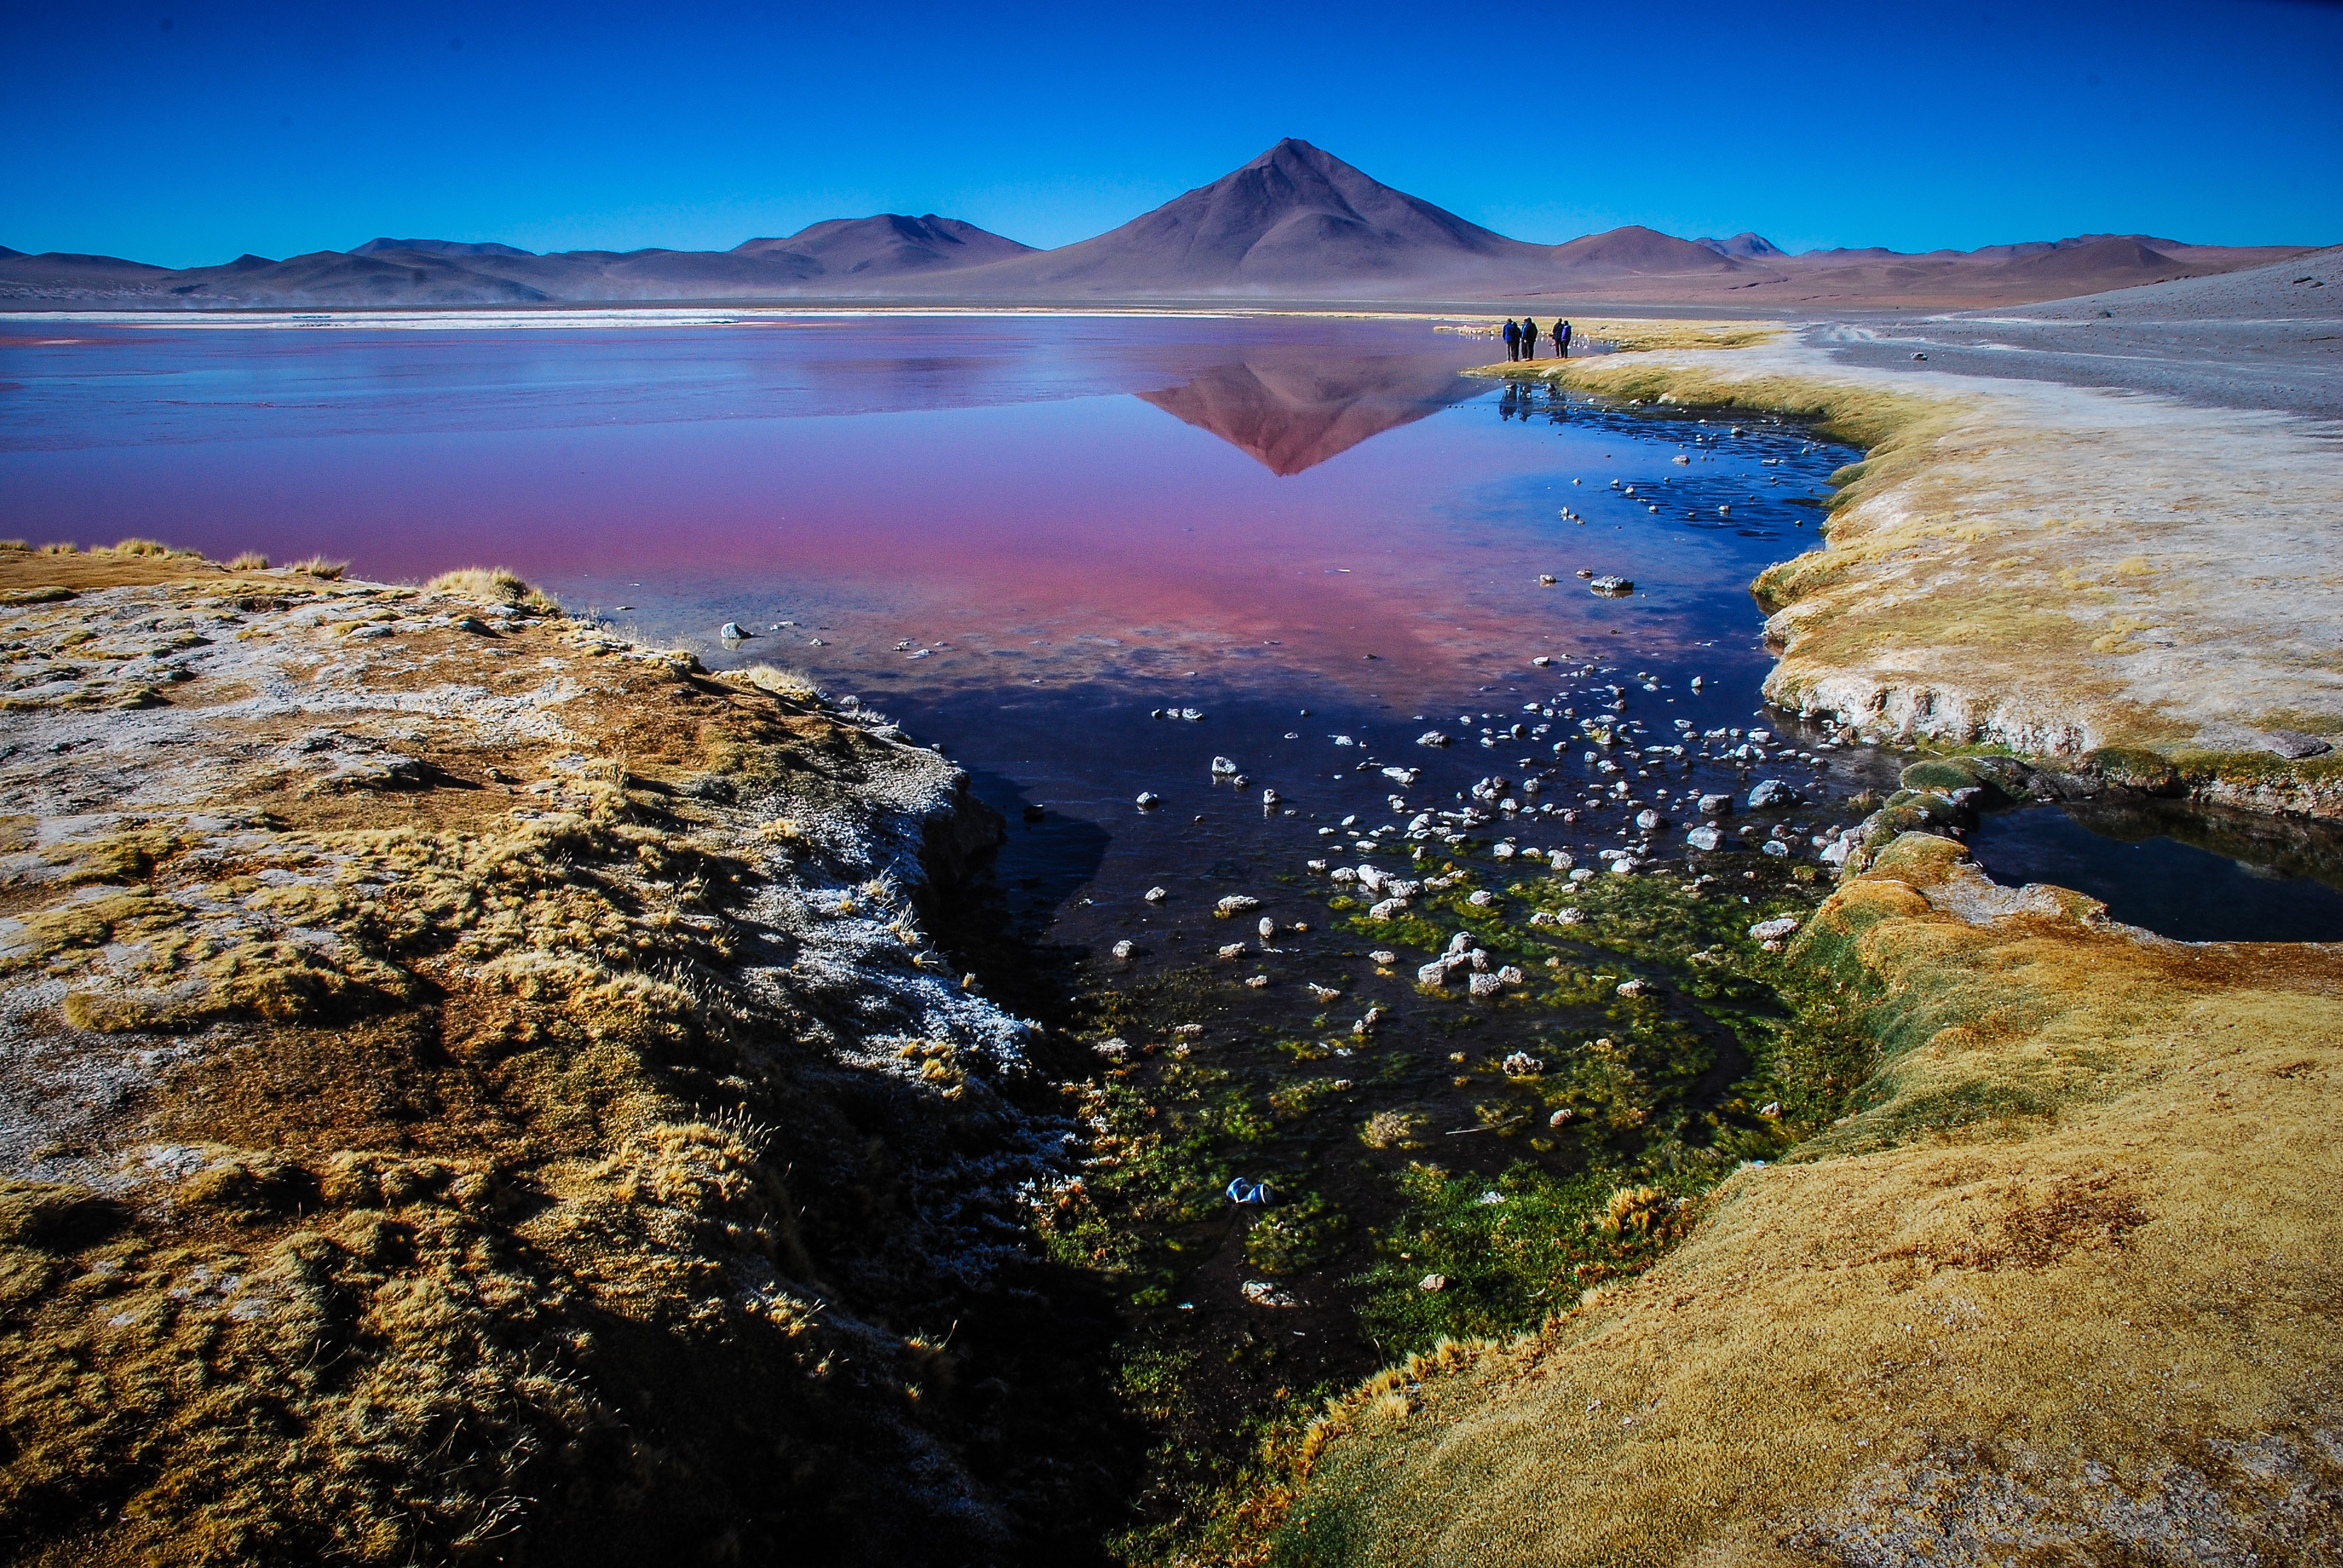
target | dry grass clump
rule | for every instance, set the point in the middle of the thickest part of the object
(62, 547)
(1633, 335)
(2078, 1240)
(248, 561)
(319, 566)
(795, 684)
(495, 583)
(1393, 1129)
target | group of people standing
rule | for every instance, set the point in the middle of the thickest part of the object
(1522, 338)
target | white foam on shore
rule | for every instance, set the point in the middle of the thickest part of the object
(566, 318)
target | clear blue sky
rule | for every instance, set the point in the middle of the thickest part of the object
(188, 133)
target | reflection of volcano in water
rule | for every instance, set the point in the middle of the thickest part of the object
(1294, 409)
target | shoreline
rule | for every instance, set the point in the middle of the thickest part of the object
(467, 1054)
(2039, 569)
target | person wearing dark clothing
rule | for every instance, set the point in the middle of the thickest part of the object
(1512, 338)
(1528, 337)
(1562, 341)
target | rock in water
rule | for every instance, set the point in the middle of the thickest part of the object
(1703, 838)
(1149, 800)
(731, 631)
(1611, 586)
(1772, 792)
(1774, 930)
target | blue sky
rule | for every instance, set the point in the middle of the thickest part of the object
(283, 130)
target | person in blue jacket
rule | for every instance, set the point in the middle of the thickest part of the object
(1561, 339)
(1512, 338)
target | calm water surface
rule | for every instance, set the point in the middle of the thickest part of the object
(1021, 536)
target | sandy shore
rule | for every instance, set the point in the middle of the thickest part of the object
(2269, 340)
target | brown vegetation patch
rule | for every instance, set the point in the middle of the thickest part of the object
(406, 1163)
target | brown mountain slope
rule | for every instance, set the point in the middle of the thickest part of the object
(1296, 218)
(1294, 224)
(890, 243)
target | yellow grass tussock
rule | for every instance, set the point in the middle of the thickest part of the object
(2068, 1281)
(495, 584)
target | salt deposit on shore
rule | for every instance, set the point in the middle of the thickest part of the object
(2058, 569)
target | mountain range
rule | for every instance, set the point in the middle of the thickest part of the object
(1295, 224)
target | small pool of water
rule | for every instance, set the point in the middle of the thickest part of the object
(2132, 862)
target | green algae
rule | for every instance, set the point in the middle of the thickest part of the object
(1517, 1150)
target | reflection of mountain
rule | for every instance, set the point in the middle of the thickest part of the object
(1294, 410)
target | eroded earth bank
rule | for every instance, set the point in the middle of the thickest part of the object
(474, 1089)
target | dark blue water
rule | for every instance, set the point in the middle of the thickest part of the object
(2153, 881)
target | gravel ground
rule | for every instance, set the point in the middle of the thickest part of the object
(2261, 339)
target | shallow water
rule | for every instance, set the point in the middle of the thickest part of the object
(1018, 536)
(2140, 865)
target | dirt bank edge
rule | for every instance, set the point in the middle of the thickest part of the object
(476, 1085)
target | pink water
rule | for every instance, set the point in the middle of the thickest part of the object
(1072, 521)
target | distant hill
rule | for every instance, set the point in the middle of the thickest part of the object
(439, 247)
(1295, 224)
(1747, 246)
(889, 244)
